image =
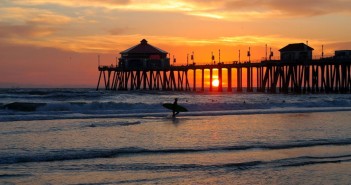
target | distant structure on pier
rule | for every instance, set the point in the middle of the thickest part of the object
(343, 54)
(296, 52)
(142, 57)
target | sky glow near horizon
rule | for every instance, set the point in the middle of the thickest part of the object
(55, 43)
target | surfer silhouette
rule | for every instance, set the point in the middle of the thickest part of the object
(175, 104)
(174, 107)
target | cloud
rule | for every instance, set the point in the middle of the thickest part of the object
(32, 15)
(234, 10)
(22, 31)
(178, 6)
(339, 45)
(114, 43)
(30, 22)
(107, 29)
(49, 18)
(289, 8)
(313, 7)
(75, 3)
(118, 31)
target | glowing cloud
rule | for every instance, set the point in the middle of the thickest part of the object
(224, 9)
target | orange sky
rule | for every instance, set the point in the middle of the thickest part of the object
(55, 43)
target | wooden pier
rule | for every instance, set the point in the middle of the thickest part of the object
(312, 76)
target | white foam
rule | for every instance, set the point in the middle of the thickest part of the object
(165, 114)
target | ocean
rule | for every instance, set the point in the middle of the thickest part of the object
(83, 136)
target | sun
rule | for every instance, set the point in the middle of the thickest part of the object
(215, 82)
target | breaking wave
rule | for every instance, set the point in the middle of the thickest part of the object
(39, 104)
(77, 154)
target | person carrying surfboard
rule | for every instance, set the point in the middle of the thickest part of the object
(175, 104)
(174, 107)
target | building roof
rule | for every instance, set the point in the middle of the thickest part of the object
(144, 47)
(296, 47)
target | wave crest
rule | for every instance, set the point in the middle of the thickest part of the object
(77, 154)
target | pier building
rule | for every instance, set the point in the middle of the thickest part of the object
(343, 54)
(296, 52)
(143, 56)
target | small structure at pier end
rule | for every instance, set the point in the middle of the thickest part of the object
(296, 52)
(143, 56)
(343, 54)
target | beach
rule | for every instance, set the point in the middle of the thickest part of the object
(231, 144)
(175, 92)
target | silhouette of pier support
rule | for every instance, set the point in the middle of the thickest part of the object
(229, 77)
(316, 76)
(239, 74)
(144, 80)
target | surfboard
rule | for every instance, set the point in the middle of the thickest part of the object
(178, 108)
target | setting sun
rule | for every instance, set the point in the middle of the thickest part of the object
(215, 82)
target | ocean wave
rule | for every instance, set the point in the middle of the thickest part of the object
(278, 163)
(73, 127)
(130, 106)
(113, 124)
(153, 111)
(78, 106)
(286, 162)
(4, 176)
(176, 167)
(23, 106)
(78, 154)
(48, 95)
(311, 160)
(115, 107)
(39, 104)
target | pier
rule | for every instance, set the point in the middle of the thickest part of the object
(313, 76)
(146, 67)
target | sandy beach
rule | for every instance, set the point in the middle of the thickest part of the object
(291, 148)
